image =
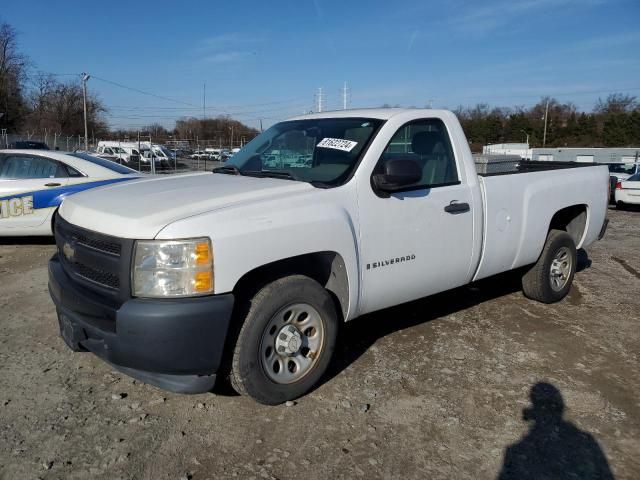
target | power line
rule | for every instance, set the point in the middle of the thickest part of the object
(144, 93)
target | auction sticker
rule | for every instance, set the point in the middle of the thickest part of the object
(337, 144)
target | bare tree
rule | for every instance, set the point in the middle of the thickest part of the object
(616, 103)
(13, 67)
(57, 107)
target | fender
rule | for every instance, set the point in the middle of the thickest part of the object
(251, 236)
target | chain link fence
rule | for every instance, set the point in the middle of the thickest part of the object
(181, 160)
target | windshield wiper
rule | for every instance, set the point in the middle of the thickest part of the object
(228, 170)
(271, 173)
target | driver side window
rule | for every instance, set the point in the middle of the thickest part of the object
(426, 142)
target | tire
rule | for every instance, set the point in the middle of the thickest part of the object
(549, 280)
(271, 362)
(619, 205)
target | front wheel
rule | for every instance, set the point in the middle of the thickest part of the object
(549, 280)
(286, 340)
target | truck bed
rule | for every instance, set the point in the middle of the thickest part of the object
(519, 207)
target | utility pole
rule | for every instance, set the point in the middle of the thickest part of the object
(345, 93)
(153, 157)
(261, 130)
(319, 98)
(204, 101)
(85, 77)
(544, 136)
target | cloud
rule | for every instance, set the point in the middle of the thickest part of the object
(228, 47)
(412, 39)
(226, 57)
(489, 16)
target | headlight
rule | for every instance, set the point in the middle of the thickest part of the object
(172, 268)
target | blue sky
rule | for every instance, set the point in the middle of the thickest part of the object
(266, 60)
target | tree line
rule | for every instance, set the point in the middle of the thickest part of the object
(614, 122)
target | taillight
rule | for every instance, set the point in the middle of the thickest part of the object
(619, 186)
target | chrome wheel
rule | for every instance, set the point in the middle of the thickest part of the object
(561, 266)
(292, 343)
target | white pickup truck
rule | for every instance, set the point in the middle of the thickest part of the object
(247, 272)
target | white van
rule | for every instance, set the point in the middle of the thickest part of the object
(140, 153)
(114, 149)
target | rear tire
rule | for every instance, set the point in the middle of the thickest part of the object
(549, 280)
(619, 205)
(286, 341)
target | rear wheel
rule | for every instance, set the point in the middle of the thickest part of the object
(286, 340)
(549, 280)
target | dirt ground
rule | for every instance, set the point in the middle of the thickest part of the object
(438, 388)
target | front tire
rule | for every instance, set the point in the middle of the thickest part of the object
(549, 280)
(286, 341)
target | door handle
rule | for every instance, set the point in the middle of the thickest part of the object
(454, 207)
(52, 184)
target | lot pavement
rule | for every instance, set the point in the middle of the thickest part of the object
(438, 388)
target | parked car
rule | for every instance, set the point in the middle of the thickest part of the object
(33, 183)
(198, 154)
(628, 191)
(389, 209)
(28, 145)
(620, 171)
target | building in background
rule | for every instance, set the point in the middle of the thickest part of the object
(566, 154)
(588, 155)
(520, 149)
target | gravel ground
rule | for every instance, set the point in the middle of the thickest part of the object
(438, 388)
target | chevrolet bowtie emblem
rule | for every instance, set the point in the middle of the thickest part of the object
(69, 251)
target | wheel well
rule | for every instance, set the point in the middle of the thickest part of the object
(327, 268)
(53, 221)
(572, 220)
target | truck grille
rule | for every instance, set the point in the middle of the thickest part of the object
(105, 279)
(95, 261)
(111, 248)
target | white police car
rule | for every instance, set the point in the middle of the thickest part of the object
(33, 184)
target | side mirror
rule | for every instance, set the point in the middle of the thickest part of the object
(398, 173)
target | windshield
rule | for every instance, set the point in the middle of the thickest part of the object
(104, 163)
(324, 150)
(634, 178)
(627, 168)
(161, 151)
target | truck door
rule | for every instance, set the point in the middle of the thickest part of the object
(418, 241)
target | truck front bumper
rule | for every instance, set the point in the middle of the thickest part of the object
(175, 344)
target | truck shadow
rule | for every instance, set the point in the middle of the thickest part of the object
(358, 335)
(553, 447)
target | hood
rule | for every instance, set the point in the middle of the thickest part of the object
(141, 208)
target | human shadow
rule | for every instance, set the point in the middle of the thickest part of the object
(553, 448)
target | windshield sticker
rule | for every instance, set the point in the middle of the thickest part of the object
(337, 144)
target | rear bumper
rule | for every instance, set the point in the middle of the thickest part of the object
(176, 344)
(628, 196)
